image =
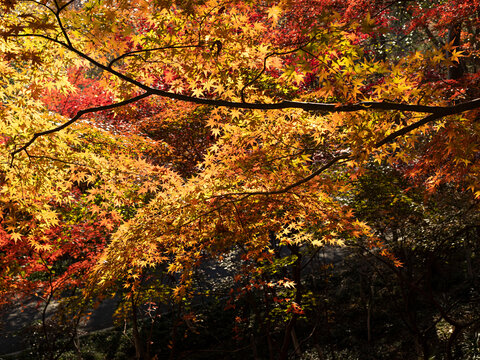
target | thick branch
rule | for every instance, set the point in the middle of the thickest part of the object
(285, 104)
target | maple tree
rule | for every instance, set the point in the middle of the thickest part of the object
(141, 138)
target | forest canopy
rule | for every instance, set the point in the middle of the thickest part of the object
(140, 141)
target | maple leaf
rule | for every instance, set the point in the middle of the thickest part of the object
(216, 131)
(274, 13)
(456, 55)
(275, 62)
(197, 92)
(15, 236)
(295, 308)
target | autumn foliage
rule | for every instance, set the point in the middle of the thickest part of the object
(142, 140)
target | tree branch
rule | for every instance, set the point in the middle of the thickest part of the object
(284, 104)
(291, 186)
(75, 118)
(60, 24)
(265, 65)
(133, 53)
(407, 129)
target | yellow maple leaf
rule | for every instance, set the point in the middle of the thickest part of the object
(197, 92)
(274, 13)
(15, 236)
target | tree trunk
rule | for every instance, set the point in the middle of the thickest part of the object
(137, 341)
(296, 344)
(451, 342)
(287, 338)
